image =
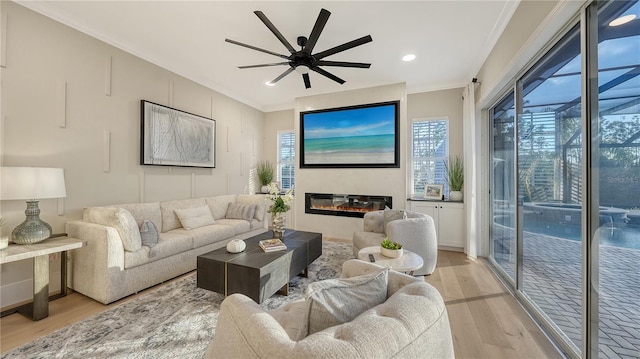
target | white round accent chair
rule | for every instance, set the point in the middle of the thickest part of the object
(415, 231)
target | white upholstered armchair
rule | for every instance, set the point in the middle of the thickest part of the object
(411, 322)
(416, 233)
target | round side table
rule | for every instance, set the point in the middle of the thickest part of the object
(407, 263)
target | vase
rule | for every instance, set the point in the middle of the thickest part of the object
(277, 224)
(264, 189)
(455, 196)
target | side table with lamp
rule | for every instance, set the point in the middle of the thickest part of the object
(32, 184)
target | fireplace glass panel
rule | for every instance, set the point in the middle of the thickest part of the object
(347, 205)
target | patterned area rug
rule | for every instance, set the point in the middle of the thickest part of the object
(177, 320)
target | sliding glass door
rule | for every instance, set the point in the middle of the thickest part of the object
(615, 194)
(565, 228)
(503, 194)
(549, 135)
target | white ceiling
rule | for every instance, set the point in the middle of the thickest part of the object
(451, 40)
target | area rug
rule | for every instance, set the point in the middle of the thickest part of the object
(176, 320)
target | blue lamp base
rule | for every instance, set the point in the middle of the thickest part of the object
(33, 229)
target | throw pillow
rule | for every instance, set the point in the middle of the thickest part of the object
(197, 217)
(393, 215)
(336, 301)
(240, 211)
(148, 233)
(121, 220)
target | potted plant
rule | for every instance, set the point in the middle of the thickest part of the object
(455, 178)
(391, 249)
(265, 175)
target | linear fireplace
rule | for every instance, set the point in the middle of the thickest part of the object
(346, 205)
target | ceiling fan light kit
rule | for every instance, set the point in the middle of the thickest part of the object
(303, 60)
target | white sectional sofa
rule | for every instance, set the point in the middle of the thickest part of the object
(119, 260)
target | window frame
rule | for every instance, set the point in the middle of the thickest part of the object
(445, 158)
(280, 163)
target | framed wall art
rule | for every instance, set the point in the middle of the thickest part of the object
(170, 137)
(362, 136)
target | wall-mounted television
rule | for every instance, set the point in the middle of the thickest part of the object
(363, 136)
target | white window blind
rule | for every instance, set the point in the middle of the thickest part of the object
(286, 158)
(430, 150)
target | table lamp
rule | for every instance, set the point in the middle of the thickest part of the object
(31, 184)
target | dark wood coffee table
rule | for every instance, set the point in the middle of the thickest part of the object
(255, 273)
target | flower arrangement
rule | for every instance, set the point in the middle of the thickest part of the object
(280, 202)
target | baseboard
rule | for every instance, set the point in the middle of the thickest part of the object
(451, 249)
(15, 294)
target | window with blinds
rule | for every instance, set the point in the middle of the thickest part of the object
(429, 151)
(286, 158)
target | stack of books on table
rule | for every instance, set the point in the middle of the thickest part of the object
(272, 245)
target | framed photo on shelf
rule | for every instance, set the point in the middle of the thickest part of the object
(433, 191)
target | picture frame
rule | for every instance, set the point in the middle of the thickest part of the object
(359, 136)
(433, 191)
(171, 137)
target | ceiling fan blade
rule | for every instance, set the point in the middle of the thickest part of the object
(289, 70)
(346, 46)
(264, 65)
(256, 48)
(327, 74)
(307, 81)
(321, 21)
(275, 31)
(343, 64)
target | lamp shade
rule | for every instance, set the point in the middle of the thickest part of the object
(31, 183)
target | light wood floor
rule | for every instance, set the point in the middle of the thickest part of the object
(486, 321)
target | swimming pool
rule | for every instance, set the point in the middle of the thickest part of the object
(564, 220)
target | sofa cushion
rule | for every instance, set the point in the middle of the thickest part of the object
(121, 220)
(393, 215)
(149, 233)
(207, 234)
(240, 211)
(171, 243)
(293, 317)
(196, 217)
(144, 211)
(336, 301)
(238, 225)
(218, 204)
(169, 218)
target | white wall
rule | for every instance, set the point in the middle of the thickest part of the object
(60, 96)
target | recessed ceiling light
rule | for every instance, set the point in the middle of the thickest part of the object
(622, 20)
(269, 83)
(409, 57)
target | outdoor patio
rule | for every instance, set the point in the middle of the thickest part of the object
(552, 280)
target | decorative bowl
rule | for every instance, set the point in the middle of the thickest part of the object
(391, 253)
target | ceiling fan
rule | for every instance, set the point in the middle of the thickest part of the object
(303, 60)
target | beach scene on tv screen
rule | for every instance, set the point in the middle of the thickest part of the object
(352, 136)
